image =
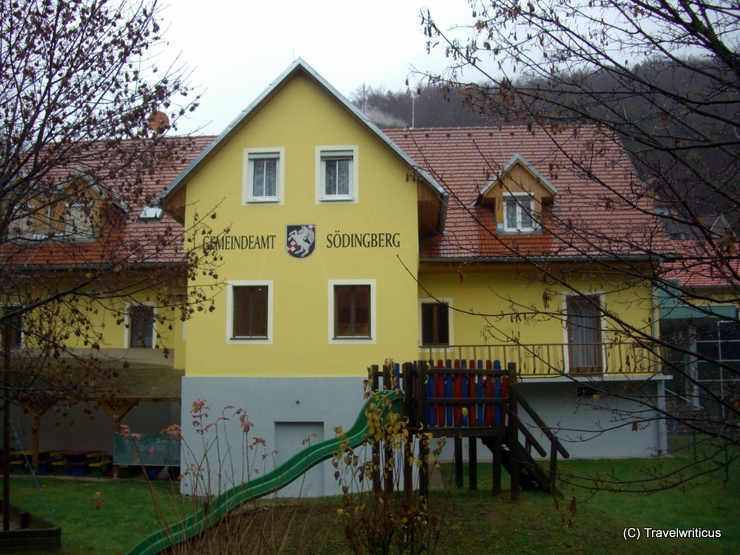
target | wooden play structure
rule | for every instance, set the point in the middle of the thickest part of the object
(473, 399)
(455, 399)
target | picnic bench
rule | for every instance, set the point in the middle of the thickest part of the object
(80, 463)
(20, 459)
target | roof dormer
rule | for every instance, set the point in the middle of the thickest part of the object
(517, 194)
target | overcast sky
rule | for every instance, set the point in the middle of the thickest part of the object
(237, 48)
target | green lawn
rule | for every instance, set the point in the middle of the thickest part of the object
(536, 524)
(126, 515)
(474, 522)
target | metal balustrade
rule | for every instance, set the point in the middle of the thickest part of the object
(553, 359)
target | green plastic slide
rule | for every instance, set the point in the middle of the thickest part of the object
(259, 487)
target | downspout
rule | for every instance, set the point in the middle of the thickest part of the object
(660, 388)
(693, 369)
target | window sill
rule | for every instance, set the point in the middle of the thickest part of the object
(263, 200)
(73, 238)
(530, 231)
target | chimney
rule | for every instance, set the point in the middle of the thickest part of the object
(159, 122)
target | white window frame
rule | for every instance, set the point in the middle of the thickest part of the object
(517, 198)
(450, 313)
(272, 153)
(324, 153)
(602, 322)
(127, 327)
(70, 222)
(373, 313)
(230, 339)
(22, 224)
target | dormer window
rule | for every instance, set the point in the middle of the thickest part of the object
(518, 212)
(517, 195)
(149, 213)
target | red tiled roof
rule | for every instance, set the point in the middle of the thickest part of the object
(601, 209)
(695, 267)
(601, 214)
(125, 238)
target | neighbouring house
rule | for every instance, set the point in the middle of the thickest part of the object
(698, 316)
(104, 268)
(344, 245)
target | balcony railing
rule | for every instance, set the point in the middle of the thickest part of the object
(551, 360)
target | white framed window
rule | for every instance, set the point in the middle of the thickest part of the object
(249, 312)
(263, 175)
(336, 174)
(585, 333)
(78, 222)
(519, 212)
(22, 222)
(140, 329)
(435, 322)
(151, 213)
(352, 314)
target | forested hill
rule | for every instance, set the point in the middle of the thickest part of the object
(426, 107)
(477, 105)
(676, 118)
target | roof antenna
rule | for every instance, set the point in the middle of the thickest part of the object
(293, 54)
(413, 99)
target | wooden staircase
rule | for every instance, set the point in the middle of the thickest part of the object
(531, 476)
(531, 472)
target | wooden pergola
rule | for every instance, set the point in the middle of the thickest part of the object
(125, 386)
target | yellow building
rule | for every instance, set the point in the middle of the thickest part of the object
(346, 245)
(333, 245)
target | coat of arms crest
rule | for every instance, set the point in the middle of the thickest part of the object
(300, 240)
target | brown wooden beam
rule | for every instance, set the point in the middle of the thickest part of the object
(117, 409)
(36, 410)
(473, 463)
(513, 439)
(459, 481)
(497, 459)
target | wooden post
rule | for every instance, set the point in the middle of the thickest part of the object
(422, 414)
(387, 370)
(553, 467)
(513, 433)
(459, 482)
(117, 409)
(473, 463)
(35, 441)
(374, 377)
(36, 412)
(497, 454)
(408, 416)
(388, 463)
(375, 385)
